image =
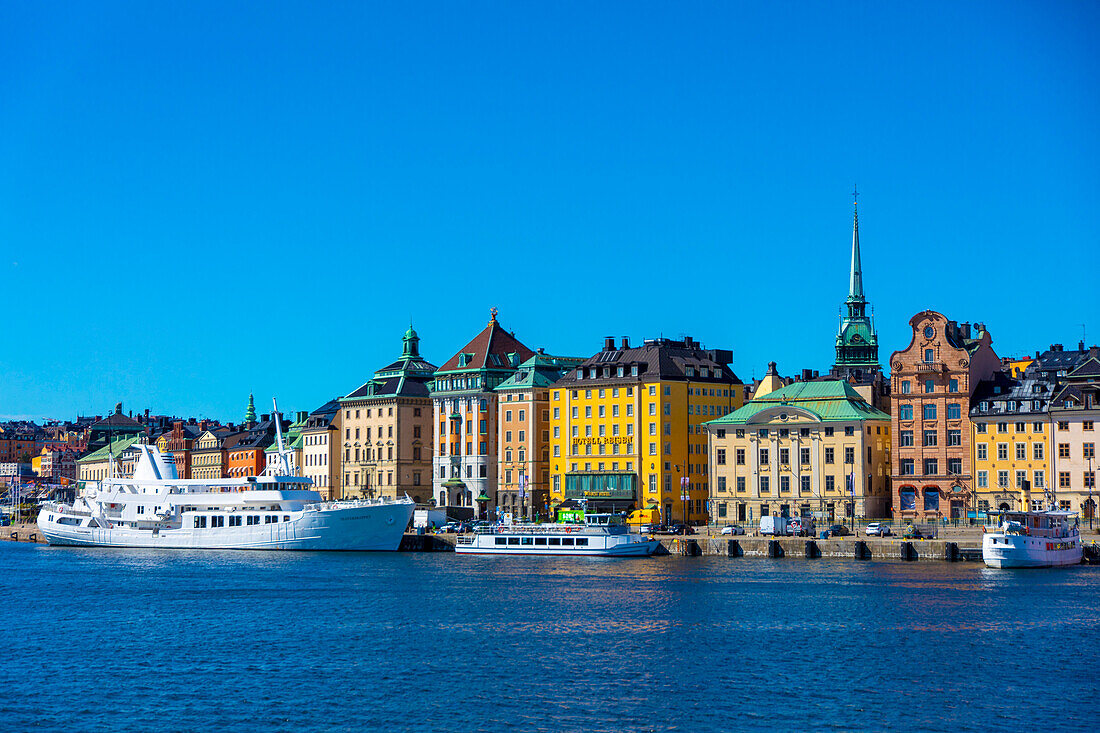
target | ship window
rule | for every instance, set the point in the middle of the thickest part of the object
(513, 540)
(540, 540)
(286, 517)
(567, 540)
(528, 540)
(555, 540)
(582, 540)
(499, 541)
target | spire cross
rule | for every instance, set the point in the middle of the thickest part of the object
(855, 194)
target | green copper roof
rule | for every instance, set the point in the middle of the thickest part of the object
(541, 370)
(115, 446)
(828, 400)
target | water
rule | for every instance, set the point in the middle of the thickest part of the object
(241, 641)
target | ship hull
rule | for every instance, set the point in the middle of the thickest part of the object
(363, 528)
(1020, 551)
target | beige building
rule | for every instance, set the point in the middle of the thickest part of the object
(96, 465)
(807, 447)
(1075, 414)
(321, 449)
(387, 430)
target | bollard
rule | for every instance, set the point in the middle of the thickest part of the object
(735, 549)
(908, 552)
(775, 549)
(812, 550)
(951, 551)
(863, 552)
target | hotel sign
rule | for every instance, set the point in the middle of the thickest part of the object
(604, 440)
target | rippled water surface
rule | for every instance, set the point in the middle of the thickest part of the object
(241, 641)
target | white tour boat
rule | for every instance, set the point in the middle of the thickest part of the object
(155, 508)
(603, 535)
(1033, 540)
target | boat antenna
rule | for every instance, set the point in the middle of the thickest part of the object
(284, 460)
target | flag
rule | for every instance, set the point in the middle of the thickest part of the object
(851, 484)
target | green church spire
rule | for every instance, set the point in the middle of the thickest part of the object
(250, 413)
(856, 340)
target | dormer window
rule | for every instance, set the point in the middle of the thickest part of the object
(580, 373)
(690, 371)
(592, 372)
(619, 372)
(633, 370)
(704, 373)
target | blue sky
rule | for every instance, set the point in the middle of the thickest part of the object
(204, 199)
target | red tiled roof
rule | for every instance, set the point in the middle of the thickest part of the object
(493, 341)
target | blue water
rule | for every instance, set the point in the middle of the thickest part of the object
(243, 641)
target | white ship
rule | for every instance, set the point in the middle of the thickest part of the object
(156, 508)
(1033, 540)
(602, 535)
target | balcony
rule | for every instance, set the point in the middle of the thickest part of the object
(931, 366)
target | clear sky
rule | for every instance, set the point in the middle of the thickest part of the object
(198, 200)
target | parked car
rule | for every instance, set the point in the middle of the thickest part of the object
(681, 529)
(838, 530)
(732, 529)
(878, 529)
(451, 527)
(914, 533)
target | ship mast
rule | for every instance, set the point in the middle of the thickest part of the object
(284, 459)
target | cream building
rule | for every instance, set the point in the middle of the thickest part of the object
(387, 430)
(321, 449)
(803, 448)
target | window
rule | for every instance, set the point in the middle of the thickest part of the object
(829, 455)
(1002, 427)
(849, 430)
(764, 457)
(929, 412)
(905, 438)
(1089, 451)
(804, 456)
(929, 386)
(929, 355)
(905, 412)
(740, 483)
(953, 385)
(905, 386)
(954, 411)
(1063, 450)
(928, 332)
(983, 479)
(784, 456)
(980, 427)
(765, 485)
(830, 483)
(739, 456)
(804, 484)
(1063, 479)
(930, 438)
(1063, 425)
(1021, 451)
(983, 451)
(1002, 451)
(931, 467)
(1021, 477)
(849, 455)
(1037, 451)
(954, 437)
(1038, 479)
(955, 466)
(1002, 479)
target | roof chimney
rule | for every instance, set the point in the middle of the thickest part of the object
(626, 342)
(265, 417)
(1080, 345)
(609, 343)
(965, 329)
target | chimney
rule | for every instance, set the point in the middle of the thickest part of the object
(626, 342)
(540, 351)
(1080, 345)
(609, 343)
(146, 413)
(265, 417)
(965, 329)
(202, 425)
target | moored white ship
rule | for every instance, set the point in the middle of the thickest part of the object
(156, 508)
(602, 535)
(1033, 540)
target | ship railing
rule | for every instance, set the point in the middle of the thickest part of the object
(350, 503)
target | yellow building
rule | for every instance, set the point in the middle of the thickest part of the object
(627, 427)
(1011, 442)
(807, 447)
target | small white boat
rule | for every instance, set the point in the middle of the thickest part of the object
(601, 535)
(1033, 540)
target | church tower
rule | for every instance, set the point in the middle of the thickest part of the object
(856, 340)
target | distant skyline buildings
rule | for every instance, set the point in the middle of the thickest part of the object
(208, 201)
